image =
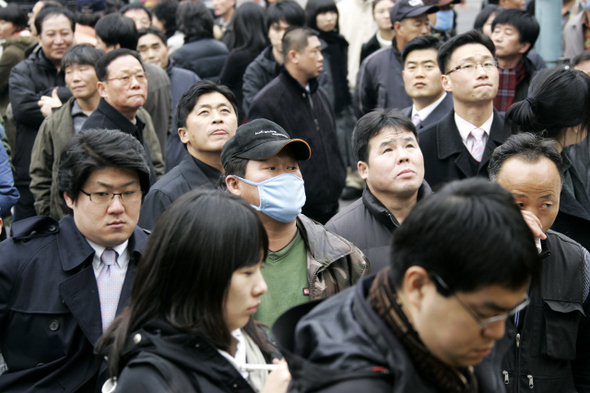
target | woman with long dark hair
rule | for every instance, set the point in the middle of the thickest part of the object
(188, 327)
(558, 108)
(249, 40)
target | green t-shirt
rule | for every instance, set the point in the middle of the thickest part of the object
(285, 273)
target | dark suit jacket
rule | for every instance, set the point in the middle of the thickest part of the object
(50, 316)
(445, 156)
(442, 109)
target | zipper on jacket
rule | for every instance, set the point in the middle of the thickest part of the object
(517, 340)
(531, 384)
(506, 378)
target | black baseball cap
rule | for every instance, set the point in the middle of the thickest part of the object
(410, 8)
(261, 139)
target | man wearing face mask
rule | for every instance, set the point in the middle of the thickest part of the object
(305, 261)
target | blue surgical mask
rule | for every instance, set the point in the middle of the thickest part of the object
(281, 197)
(444, 20)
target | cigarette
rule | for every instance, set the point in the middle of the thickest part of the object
(253, 367)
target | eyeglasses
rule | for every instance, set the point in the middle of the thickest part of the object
(471, 67)
(106, 197)
(140, 77)
(481, 322)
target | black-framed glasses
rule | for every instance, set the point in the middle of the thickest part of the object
(471, 66)
(106, 197)
(486, 321)
(140, 77)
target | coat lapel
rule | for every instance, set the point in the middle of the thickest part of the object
(450, 143)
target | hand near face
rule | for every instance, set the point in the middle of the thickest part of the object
(534, 224)
(278, 380)
(47, 103)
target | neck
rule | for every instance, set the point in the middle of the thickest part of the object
(296, 74)
(228, 15)
(210, 158)
(477, 113)
(509, 63)
(400, 44)
(400, 207)
(423, 102)
(279, 233)
(89, 104)
(278, 56)
(387, 34)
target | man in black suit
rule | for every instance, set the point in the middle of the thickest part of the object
(461, 143)
(422, 81)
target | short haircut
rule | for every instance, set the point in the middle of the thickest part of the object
(528, 147)
(471, 37)
(91, 150)
(558, 98)
(472, 235)
(189, 99)
(82, 54)
(315, 7)
(582, 57)
(484, 14)
(116, 29)
(14, 14)
(297, 39)
(286, 10)
(194, 20)
(165, 11)
(236, 166)
(51, 12)
(525, 23)
(135, 7)
(371, 124)
(155, 31)
(102, 72)
(420, 43)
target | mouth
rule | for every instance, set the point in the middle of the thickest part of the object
(406, 173)
(419, 84)
(483, 85)
(219, 132)
(253, 309)
(116, 224)
(484, 352)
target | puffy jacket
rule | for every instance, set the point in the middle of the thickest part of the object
(258, 74)
(550, 351)
(369, 226)
(203, 56)
(13, 52)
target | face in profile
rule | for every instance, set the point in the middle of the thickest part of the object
(243, 295)
(310, 61)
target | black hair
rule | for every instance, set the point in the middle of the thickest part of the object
(471, 37)
(14, 14)
(128, 7)
(189, 99)
(420, 43)
(285, 10)
(94, 149)
(558, 98)
(472, 235)
(116, 29)
(155, 31)
(52, 11)
(194, 20)
(82, 54)
(248, 28)
(315, 7)
(484, 14)
(186, 269)
(371, 124)
(297, 39)
(526, 24)
(165, 11)
(101, 67)
(528, 147)
(236, 166)
(582, 57)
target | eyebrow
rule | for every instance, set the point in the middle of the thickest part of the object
(395, 142)
(471, 58)
(132, 182)
(214, 105)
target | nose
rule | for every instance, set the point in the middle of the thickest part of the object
(495, 329)
(116, 205)
(321, 57)
(425, 29)
(260, 287)
(216, 114)
(402, 155)
(58, 39)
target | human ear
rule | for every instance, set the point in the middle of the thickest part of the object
(69, 201)
(232, 184)
(363, 168)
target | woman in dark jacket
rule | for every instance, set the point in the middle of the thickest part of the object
(558, 108)
(188, 327)
(384, 35)
(201, 53)
(249, 40)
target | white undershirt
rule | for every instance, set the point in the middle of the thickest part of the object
(425, 112)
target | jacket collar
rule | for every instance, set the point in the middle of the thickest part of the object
(116, 117)
(313, 83)
(324, 246)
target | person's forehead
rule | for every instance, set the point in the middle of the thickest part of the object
(469, 51)
(124, 62)
(281, 23)
(428, 54)
(212, 99)
(149, 39)
(517, 165)
(313, 42)
(138, 12)
(59, 21)
(390, 132)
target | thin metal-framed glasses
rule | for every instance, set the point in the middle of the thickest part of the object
(470, 67)
(140, 77)
(106, 197)
(481, 322)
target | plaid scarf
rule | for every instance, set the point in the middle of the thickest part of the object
(509, 79)
(444, 378)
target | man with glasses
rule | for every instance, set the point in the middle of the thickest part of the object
(123, 86)
(550, 342)
(460, 144)
(461, 264)
(62, 283)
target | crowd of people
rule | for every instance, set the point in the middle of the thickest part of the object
(171, 186)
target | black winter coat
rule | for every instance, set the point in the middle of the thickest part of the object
(203, 56)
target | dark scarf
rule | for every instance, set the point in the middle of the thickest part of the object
(444, 378)
(508, 81)
(336, 53)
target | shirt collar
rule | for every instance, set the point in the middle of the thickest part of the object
(382, 42)
(465, 127)
(98, 250)
(425, 112)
